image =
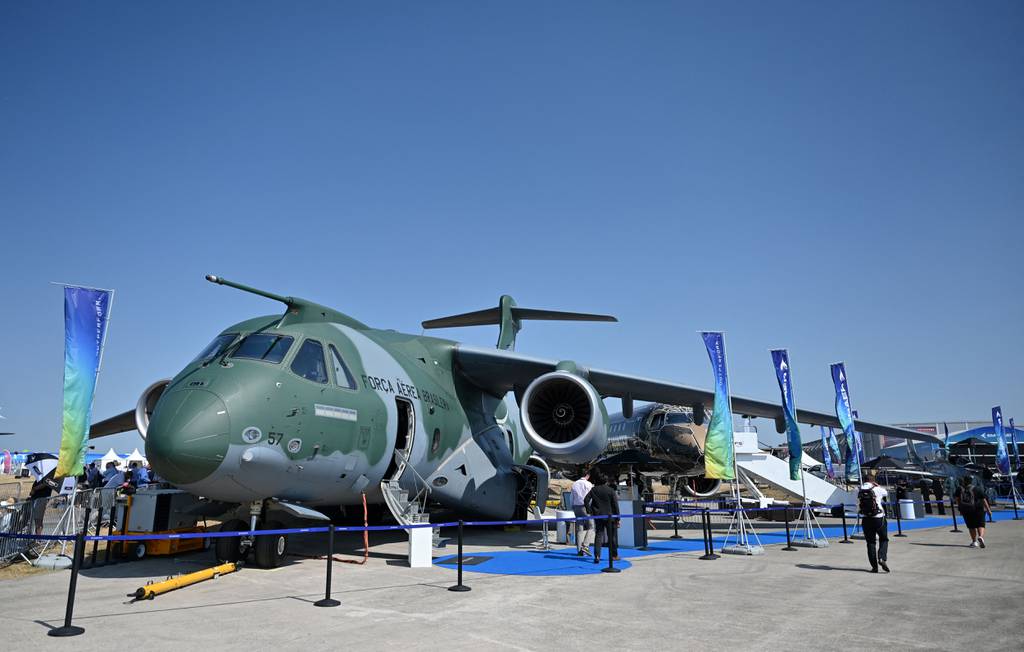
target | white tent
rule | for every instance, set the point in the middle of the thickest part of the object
(111, 456)
(136, 456)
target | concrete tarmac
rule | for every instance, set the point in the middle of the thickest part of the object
(941, 595)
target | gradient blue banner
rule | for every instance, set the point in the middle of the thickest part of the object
(780, 358)
(860, 440)
(826, 456)
(718, 445)
(1013, 443)
(86, 312)
(833, 444)
(1002, 458)
(844, 412)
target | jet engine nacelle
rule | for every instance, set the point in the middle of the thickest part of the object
(564, 418)
(147, 403)
(700, 487)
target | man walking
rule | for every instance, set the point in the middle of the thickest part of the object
(584, 528)
(871, 504)
(973, 506)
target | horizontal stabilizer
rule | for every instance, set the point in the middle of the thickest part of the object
(509, 316)
(492, 316)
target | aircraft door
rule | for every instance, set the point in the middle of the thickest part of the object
(405, 430)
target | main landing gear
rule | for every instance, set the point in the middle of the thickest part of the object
(268, 550)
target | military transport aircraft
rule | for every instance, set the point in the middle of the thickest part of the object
(314, 408)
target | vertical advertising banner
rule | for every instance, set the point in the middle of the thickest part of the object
(1013, 442)
(833, 445)
(844, 412)
(860, 441)
(86, 311)
(780, 358)
(1002, 458)
(718, 446)
(826, 456)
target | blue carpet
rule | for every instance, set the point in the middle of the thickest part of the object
(564, 561)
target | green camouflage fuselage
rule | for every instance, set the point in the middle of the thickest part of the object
(240, 430)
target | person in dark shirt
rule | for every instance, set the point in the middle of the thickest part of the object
(973, 505)
(926, 488)
(940, 493)
(602, 501)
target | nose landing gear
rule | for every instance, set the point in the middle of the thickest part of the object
(268, 550)
(231, 549)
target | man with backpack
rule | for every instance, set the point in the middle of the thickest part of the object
(973, 505)
(871, 505)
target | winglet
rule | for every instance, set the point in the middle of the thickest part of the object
(508, 316)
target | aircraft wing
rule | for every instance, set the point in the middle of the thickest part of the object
(121, 423)
(499, 372)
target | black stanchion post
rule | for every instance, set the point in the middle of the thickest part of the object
(1015, 516)
(899, 520)
(460, 587)
(124, 531)
(789, 543)
(96, 543)
(643, 521)
(110, 532)
(327, 600)
(952, 506)
(704, 535)
(675, 520)
(67, 629)
(842, 512)
(709, 543)
(611, 558)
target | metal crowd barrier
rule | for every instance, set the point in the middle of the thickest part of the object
(47, 517)
(10, 492)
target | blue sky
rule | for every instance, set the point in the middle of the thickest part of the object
(842, 179)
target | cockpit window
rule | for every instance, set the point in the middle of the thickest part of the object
(264, 346)
(342, 375)
(678, 417)
(216, 347)
(309, 362)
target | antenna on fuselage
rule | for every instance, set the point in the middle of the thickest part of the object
(288, 301)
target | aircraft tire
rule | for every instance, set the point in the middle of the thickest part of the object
(229, 549)
(271, 549)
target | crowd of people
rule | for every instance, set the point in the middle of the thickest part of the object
(593, 495)
(136, 475)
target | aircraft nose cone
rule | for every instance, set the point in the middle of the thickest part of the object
(188, 435)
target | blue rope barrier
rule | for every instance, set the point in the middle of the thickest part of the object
(37, 537)
(386, 528)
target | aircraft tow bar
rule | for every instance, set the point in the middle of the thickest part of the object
(150, 591)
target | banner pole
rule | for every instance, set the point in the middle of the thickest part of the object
(1013, 491)
(741, 532)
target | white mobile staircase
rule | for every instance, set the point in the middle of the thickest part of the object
(756, 464)
(407, 510)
